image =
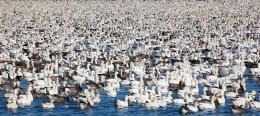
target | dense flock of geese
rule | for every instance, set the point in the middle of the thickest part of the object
(72, 51)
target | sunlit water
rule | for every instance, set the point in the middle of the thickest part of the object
(107, 107)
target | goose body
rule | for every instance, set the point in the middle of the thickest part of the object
(12, 105)
(122, 104)
(179, 101)
(152, 105)
(207, 105)
(112, 93)
(25, 100)
(48, 105)
(254, 105)
(189, 108)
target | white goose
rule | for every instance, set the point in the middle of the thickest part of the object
(254, 105)
(169, 97)
(208, 105)
(12, 94)
(122, 104)
(187, 108)
(241, 101)
(142, 97)
(162, 102)
(179, 101)
(221, 99)
(97, 98)
(25, 100)
(29, 76)
(112, 93)
(153, 104)
(49, 105)
(12, 105)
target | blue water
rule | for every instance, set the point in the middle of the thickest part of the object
(107, 107)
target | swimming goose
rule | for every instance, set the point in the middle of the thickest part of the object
(122, 104)
(162, 101)
(112, 93)
(153, 104)
(169, 97)
(208, 105)
(238, 109)
(254, 105)
(221, 98)
(12, 105)
(241, 101)
(49, 105)
(189, 108)
(29, 76)
(53, 90)
(97, 98)
(142, 97)
(25, 100)
(179, 101)
(12, 94)
(232, 94)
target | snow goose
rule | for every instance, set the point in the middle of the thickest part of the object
(25, 100)
(232, 94)
(12, 94)
(114, 79)
(112, 93)
(208, 105)
(49, 105)
(241, 101)
(162, 101)
(254, 105)
(189, 108)
(12, 105)
(179, 101)
(221, 98)
(237, 109)
(28, 75)
(195, 89)
(169, 97)
(97, 98)
(122, 104)
(153, 104)
(53, 90)
(142, 97)
(174, 78)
